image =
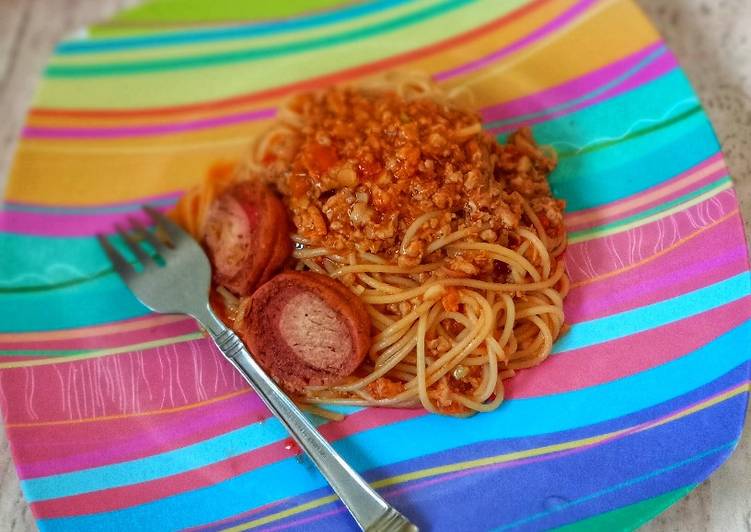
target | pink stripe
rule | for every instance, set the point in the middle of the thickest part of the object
(32, 132)
(552, 26)
(648, 289)
(599, 256)
(125, 384)
(683, 269)
(572, 219)
(606, 362)
(67, 225)
(664, 64)
(568, 91)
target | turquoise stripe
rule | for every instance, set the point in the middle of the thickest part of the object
(374, 448)
(651, 58)
(581, 335)
(648, 162)
(103, 300)
(27, 260)
(123, 68)
(631, 166)
(244, 31)
(613, 118)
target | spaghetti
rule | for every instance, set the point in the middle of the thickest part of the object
(452, 240)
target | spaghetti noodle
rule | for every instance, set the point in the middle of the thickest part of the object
(452, 240)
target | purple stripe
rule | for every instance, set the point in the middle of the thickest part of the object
(118, 206)
(661, 66)
(568, 91)
(32, 132)
(550, 27)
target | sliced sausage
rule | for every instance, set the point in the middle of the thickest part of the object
(243, 236)
(282, 247)
(305, 329)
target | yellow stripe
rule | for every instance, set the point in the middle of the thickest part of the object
(444, 60)
(649, 219)
(103, 352)
(184, 86)
(75, 178)
(612, 29)
(493, 460)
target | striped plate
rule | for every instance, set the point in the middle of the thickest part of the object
(124, 420)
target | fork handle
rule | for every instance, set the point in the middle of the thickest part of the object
(370, 510)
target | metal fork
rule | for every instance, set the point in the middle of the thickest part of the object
(180, 285)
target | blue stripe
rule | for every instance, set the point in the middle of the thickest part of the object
(724, 449)
(167, 464)
(27, 260)
(521, 483)
(256, 29)
(371, 449)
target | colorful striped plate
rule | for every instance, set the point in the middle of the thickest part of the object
(124, 420)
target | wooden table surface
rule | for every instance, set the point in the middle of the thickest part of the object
(710, 38)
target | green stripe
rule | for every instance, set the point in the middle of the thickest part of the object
(217, 10)
(54, 286)
(655, 210)
(186, 86)
(162, 47)
(628, 517)
(206, 60)
(43, 353)
(634, 135)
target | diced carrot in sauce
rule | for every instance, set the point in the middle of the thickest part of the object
(319, 158)
(450, 300)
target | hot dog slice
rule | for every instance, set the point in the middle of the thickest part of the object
(305, 329)
(242, 235)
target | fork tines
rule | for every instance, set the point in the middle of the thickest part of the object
(174, 235)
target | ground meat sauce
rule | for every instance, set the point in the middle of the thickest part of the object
(365, 165)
